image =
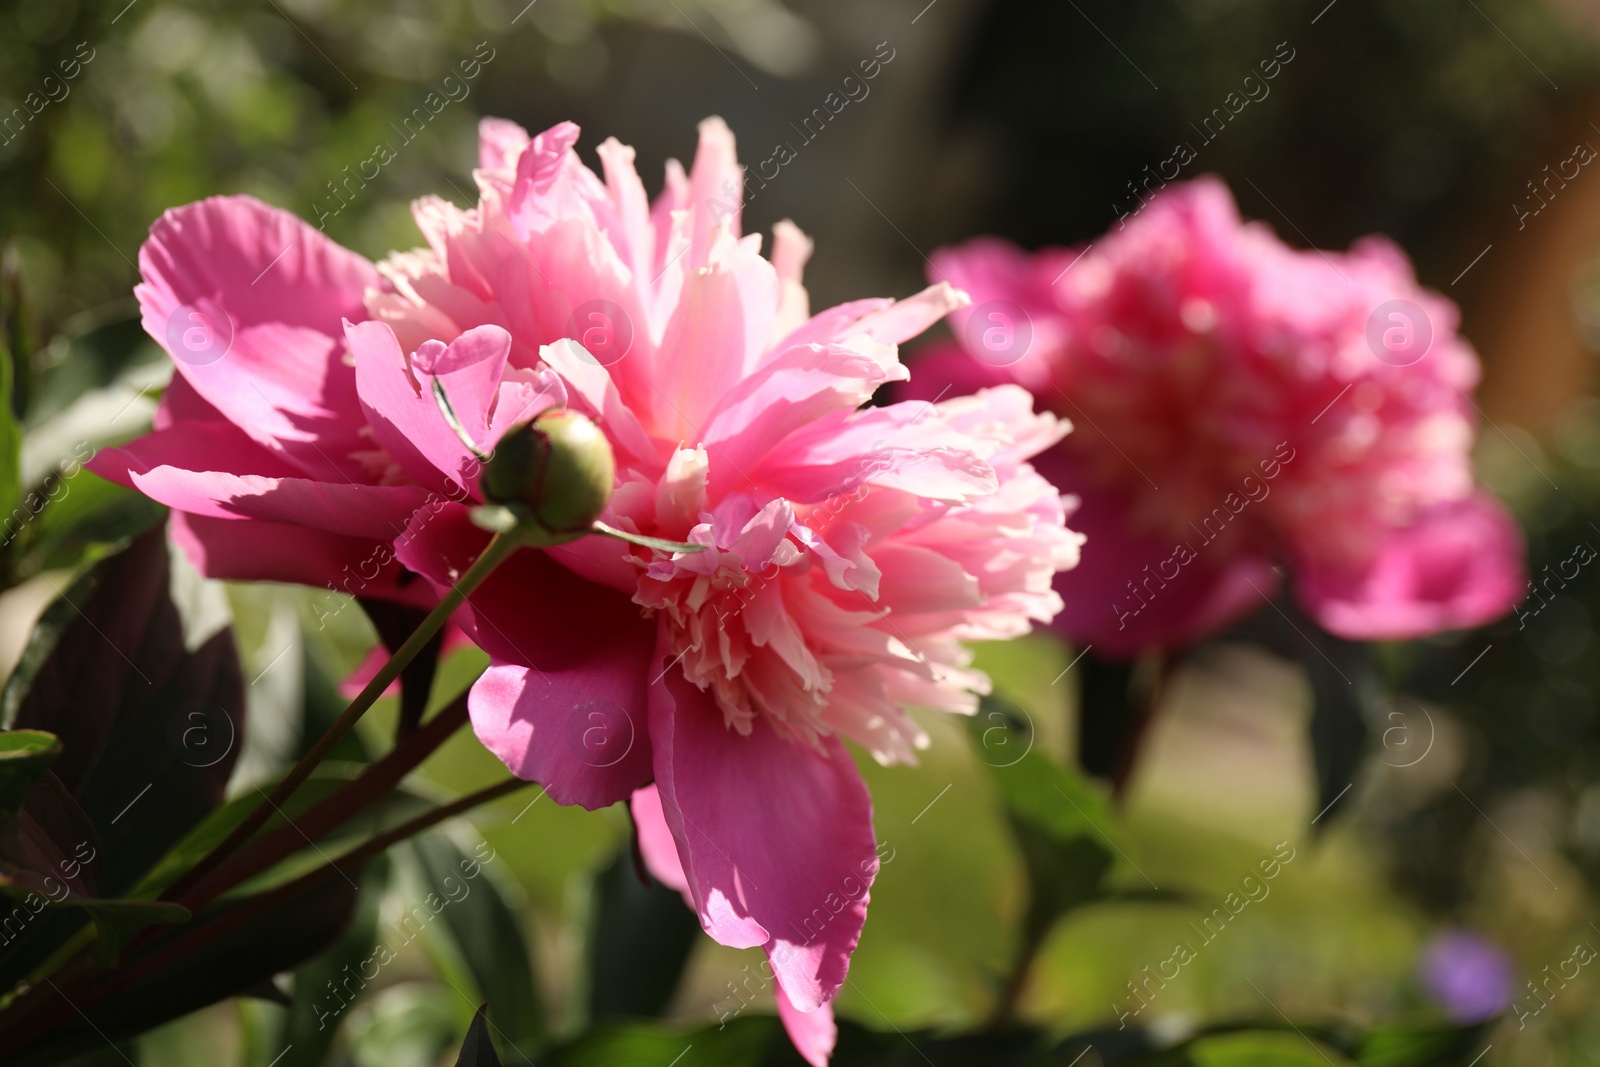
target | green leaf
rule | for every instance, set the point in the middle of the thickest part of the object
(487, 932)
(48, 854)
(744, 1042)
(323, 783)
(326, 986)
(134, 668)
(217, 968)
(1062, 823)
(760, 1041)
(18, 330)
(1426, 1046)
(1345, 694)
(10, 437)
(117, 921)
(91, 520)
(1262, 1050)
(24, 756)
(640, 938)
(477, 1050)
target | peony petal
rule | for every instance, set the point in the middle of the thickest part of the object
(1458, 566)
(259, 551)
(371, 512)
(656, 843)
(564, 701)
(775, 839)
(500, 144)
(896, 447)
(814, 1033)
(1135, 591)
(716, 189)
(789, 392)
(403, 413)
(186, 443)
(263, 295)
(703, 353)
(905, 319)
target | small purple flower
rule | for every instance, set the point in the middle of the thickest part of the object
(1469, 977)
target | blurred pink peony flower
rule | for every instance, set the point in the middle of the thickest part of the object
(850, 550)
(1241, 405)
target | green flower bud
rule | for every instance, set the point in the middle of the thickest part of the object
(559, 467)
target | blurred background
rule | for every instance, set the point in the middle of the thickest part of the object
(1475, 808)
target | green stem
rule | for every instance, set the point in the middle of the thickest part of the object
(498, 549)
(311, 825)
(1005, 1007)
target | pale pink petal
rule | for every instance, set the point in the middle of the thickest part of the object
(905, 319)
(597, 394)
(500, 144)
(702, 354)
(635, 239)
(789, 392)
(897, 447)
(378, 512)
(791, 248)
(403, 414)
(209, 443)
(716, 189)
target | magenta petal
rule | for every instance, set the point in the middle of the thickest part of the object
(260, 551)
(374, 512)
(656, 843)
(814, 1033)
(564, 701)
(1136, 591)
(775, 839)
(249, 301)
(1457, 567)
(191, 445)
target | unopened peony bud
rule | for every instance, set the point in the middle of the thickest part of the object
(559, 467)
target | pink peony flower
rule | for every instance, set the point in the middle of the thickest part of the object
(1241, 406)
(850, 550)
